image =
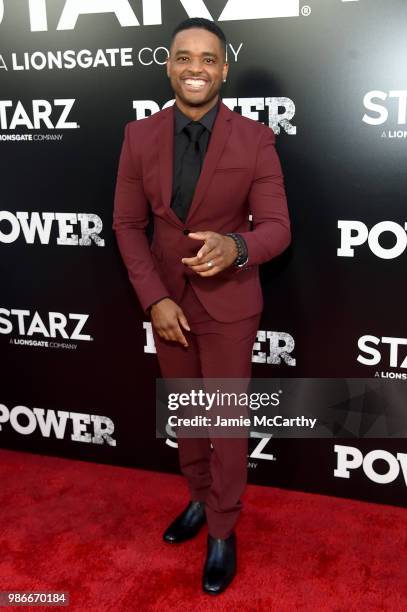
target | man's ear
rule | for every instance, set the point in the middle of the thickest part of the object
(167, 65)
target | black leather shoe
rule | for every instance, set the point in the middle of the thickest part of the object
(220, 564)
(187, 524)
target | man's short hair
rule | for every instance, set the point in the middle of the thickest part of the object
(205, 24)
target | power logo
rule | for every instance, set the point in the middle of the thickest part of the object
(351, 458)
(274, 348)
(59, 424)
(51, 226)
(279, 110)
(355, 233)
(270, 347)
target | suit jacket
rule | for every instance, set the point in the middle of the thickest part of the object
(241, 173)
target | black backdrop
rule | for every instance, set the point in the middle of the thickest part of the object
(329, 78)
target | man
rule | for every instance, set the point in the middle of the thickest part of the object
(201, 169)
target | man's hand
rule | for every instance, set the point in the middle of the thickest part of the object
(167, 318)
(220, 250)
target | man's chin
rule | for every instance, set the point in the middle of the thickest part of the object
(196, 102)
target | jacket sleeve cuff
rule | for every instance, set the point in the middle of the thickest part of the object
(147, 310)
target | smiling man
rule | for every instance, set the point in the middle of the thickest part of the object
(201, 169)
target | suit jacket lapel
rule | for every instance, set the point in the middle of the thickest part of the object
(165, 145)
(217, 142)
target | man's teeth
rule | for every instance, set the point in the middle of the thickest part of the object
(195, 82)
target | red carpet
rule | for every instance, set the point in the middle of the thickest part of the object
(95, 531)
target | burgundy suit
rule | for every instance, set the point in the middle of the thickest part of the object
(241, 173)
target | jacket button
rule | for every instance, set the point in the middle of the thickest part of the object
(186, 232)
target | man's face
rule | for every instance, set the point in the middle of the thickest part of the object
(196, 66)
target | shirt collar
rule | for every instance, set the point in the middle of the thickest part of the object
(207, 120)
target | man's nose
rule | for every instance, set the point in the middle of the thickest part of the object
(195, 66)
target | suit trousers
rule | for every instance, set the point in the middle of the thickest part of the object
(215, 468)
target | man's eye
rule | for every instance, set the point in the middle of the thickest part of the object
(182, 58)
(210, 60)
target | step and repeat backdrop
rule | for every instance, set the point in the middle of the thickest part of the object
(78, 363)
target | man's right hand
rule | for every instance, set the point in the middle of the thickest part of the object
(167, 318)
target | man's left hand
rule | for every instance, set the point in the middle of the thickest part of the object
(219, 250)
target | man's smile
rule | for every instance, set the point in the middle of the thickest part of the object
(194, 83)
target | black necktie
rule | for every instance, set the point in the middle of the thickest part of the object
(191, 169)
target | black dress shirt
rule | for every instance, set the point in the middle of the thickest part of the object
(181, 141)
